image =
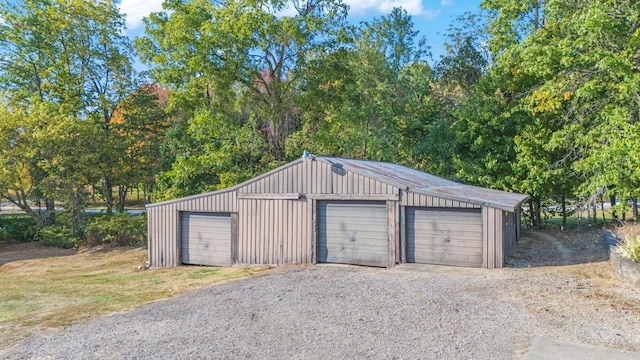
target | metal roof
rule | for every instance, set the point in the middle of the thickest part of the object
(402, 177)
(417, 181)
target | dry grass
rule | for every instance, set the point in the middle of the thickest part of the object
(55, 291)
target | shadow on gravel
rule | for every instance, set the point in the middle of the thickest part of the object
(559, 248)
(26, 251)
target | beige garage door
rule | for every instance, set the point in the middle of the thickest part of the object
(352, 232)
(206, 239)
(444, 236)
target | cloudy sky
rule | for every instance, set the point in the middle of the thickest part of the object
(431, 17)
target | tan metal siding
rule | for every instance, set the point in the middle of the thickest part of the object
(317, 177)
(492, 238)
(162, 245)
(163, 225)
(423, 200)
(509, 232)
(219, 202)
(274, 231)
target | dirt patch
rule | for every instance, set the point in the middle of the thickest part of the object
(559, 248)
(26, 251)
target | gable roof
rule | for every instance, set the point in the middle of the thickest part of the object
(409, 179)
(402, 177)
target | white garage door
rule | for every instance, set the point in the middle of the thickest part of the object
(444, 236)
(352, 232)
(206, 239)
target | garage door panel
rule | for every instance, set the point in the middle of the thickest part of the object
(428, 242)
(352, 232)
(206, 239)
(444, 237)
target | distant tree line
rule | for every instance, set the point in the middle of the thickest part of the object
(539, 97)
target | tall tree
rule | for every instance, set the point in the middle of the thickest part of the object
(238, 65)
(578, 71)
(71, 53)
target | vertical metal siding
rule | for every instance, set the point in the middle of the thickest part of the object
(509, 232)
(492, 238)
(164, 227)
(274, 231)
(421, 200)
(317, 177)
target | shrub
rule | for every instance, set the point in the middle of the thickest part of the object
(630, 246)
(119, 229)
(18, 228)
(58, 236)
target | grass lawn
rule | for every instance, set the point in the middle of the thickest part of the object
(55, 291)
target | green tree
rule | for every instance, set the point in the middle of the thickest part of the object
(371, 100)
(70, 53)
(578, 72)
(237, 66)
(40, 158)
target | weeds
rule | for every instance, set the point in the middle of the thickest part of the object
(630, 246)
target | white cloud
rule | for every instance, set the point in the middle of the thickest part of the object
(413, 7)
(135, 10)
(446, 2)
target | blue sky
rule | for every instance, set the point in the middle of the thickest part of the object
(431, 18)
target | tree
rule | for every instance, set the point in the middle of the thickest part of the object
(70, 53)
(578, 71)
(237, 66)
(369, 100)
(40, 158)
(139, 130)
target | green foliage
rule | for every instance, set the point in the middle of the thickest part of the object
(119, 229)
(58, 236)
(631, 247)
(18, 228)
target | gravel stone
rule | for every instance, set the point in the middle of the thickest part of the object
(328, 311)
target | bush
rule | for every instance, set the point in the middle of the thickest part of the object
(58, 236)
(18, 228)
(630, 246)
(119, 229)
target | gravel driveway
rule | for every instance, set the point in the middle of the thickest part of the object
(312, 312)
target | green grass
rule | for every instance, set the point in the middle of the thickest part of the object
(576, 220)
(56, 291)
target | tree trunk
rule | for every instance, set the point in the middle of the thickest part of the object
(50, 214)
(614, 214)
(108, 194)
(635, 208)
(595, 213)
(122, 197)
(76, 213)
(604, 217)
(536, 221)
(27, 209)
(564, 213)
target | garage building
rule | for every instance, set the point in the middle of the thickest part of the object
(324, 209)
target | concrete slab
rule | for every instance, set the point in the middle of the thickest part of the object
(439, 269)
(546, 348)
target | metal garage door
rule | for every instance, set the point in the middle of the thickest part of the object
(206, 239)
(444, 236)
(352, 232)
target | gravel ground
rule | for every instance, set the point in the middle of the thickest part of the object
(412, 311)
